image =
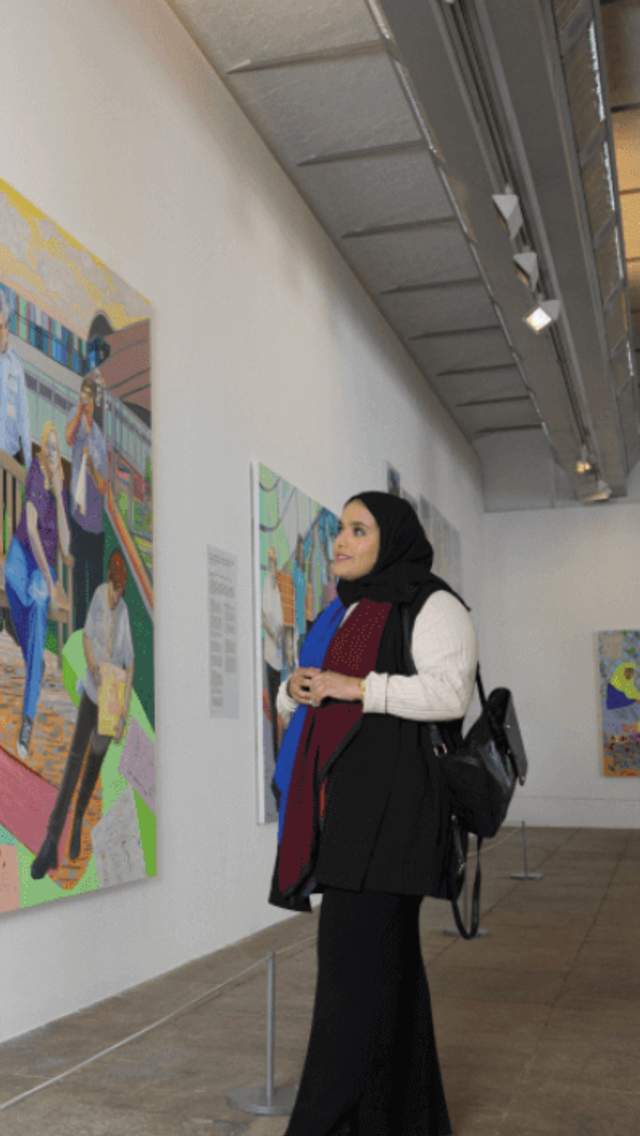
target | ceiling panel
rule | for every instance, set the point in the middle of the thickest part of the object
(629, 416)
(499, 383)
(597, 196)
(616, 319)
(488, 348)
(362, 106)
(497, 416)
(375, 190)
(582, 90)
(626, 133)
(621, 25)
(630, 203)
(437, 309)
(231, 32)
(633, 273)
(608, 264)
(417, 257)
(620, 371)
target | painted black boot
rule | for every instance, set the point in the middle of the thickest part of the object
(76, 837)
(46, 859)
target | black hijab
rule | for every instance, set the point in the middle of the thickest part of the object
(404, 562)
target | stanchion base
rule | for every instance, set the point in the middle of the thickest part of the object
(455, 934)
(253, 1099)
(527, 875)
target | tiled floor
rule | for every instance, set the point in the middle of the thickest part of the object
(538, 1023)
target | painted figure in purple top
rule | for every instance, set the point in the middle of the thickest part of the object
(88, 487)
(31, 581)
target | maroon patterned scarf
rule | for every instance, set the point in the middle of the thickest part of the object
(353, 651)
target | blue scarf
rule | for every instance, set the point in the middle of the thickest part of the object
(312, 654)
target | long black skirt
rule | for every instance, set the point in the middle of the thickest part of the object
(372, 1066)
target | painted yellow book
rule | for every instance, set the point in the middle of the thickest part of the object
(111, 695)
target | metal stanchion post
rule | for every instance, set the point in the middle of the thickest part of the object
(526, 874)
(267, 1099)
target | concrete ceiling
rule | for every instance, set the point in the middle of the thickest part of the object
(397, 122)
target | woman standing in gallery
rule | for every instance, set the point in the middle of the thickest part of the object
(364, 819)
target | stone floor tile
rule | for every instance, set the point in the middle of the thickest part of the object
(537, 1024)
(482, 983)
(567, 1110)
(599, 982)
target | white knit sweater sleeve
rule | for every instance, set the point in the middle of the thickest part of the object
(284, 704)
(445, 653)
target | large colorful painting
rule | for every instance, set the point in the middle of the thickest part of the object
(293, 551)
(619, 667)
(77, 786)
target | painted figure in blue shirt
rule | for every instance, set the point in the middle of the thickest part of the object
(15, 431)
(88, 487)
(31, 582)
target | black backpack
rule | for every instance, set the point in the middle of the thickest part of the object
(481, 769)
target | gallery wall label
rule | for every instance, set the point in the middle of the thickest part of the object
(222, 575)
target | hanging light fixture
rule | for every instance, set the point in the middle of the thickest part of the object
(544, 313)
(583, 463)
(527, 268)
(509, 212)
(600, 492)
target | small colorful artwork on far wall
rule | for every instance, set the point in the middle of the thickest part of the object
(619, 667)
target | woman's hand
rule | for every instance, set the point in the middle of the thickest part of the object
(329, 684)
(299, 684)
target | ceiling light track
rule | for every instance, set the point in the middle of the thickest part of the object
(431, 285)
(388, 150)
(303, 58)
(398, 227)
(455, 332)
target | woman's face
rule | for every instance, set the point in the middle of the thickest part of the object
(51, 453)
(356, 547)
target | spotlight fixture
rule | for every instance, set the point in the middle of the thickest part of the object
(600, 492)
(544, 313)
(509, 212)
(583, 464)
(527, 269)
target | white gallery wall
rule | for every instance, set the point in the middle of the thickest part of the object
(264, 347)
(552, 580)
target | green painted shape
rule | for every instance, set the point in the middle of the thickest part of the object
(147, 824)
(141, 630)
(7, 837)
(35, 892)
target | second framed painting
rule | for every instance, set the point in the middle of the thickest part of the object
(293, 539)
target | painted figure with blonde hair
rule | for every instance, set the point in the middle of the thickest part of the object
(31, 580)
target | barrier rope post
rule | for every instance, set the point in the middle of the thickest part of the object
(526, 874)
(268, 1099)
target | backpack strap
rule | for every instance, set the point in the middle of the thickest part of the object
(472, 930)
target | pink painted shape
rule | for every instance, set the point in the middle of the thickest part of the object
(9, 880)
(26, 801)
